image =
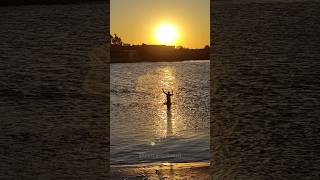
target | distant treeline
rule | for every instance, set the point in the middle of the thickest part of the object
(43, 2)
(121, 52)
(156, 53)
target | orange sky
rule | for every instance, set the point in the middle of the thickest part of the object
(136, 21)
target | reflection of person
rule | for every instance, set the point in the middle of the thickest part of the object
(168, 94)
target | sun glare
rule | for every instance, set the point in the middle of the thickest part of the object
(166, 34)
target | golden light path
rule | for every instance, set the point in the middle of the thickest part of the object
(166, 34)
(168, 116)
(165, 122)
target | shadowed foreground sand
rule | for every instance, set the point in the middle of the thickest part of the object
(161, 171)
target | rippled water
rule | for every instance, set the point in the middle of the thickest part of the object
(265, 90)
(51, 121)
(143, 130)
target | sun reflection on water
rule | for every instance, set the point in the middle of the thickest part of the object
(166, 114)
(143, 128)
(166, 120)
(167, 78)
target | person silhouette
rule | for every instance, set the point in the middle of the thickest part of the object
(168, 94)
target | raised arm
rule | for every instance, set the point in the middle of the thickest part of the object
(164, 91)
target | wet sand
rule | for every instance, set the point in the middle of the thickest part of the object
(168, 171)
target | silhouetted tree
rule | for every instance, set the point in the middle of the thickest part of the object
(180, 47)
(116, 40)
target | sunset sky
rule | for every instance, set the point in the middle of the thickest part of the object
(170, 22)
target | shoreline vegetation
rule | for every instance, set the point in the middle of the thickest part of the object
(125, 53)
(44, 2)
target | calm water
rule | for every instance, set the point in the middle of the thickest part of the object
(142, 129)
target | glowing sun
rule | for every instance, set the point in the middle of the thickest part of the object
(166, 34)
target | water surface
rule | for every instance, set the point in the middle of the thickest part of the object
(51, 126)
(143, 129)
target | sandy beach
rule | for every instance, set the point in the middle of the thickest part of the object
(161, 171)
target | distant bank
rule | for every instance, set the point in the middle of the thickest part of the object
(155, 53)
(44, 2)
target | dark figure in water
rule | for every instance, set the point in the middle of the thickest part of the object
(168, 94)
